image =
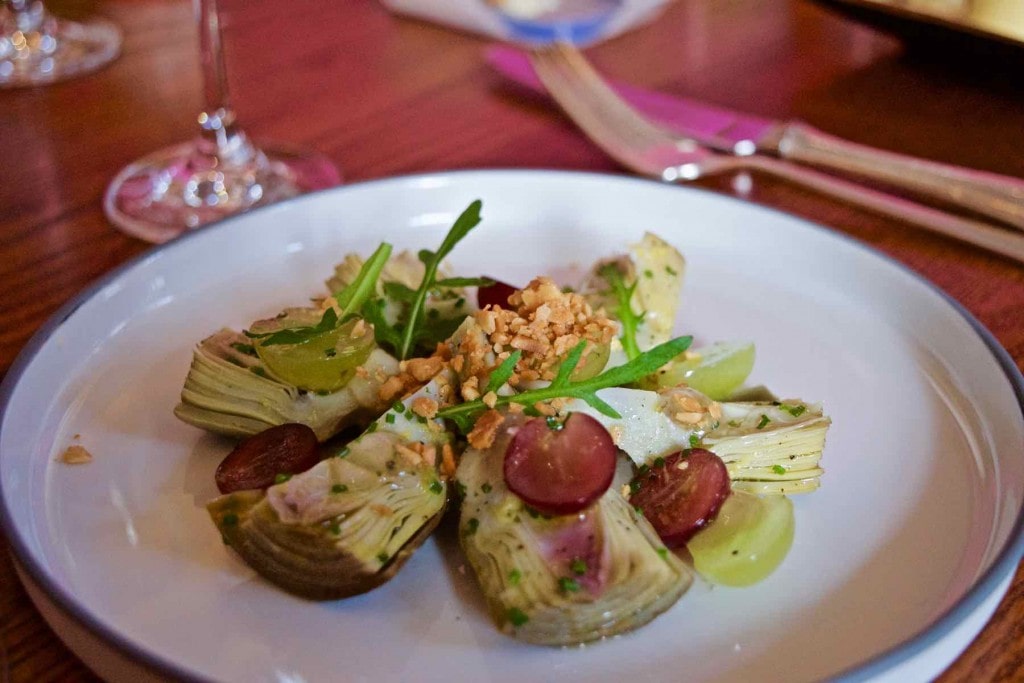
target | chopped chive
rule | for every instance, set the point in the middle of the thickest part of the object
(382, 556)
(763, 422)
(567, 585)
(486, 488)
(694, 440)
(778, 469)
(436, 487)
(733, 423)
(461, 488)
(578, 566)
(553, 422)
(258, 371)
(281, 478)
(343, 452)
(372, 428)
(398, 407)
(634, 486)
(390, 418)
(335, 528)
(795, 411)
(671, 271)
(663, 553)
(339, 488)
(516, 616)
(330, 353)
(514, 576)
(472, 525)
(659, 461)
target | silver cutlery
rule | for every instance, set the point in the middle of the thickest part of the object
(645, 148)
(996, 196)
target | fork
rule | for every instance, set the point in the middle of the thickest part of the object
(649, 150)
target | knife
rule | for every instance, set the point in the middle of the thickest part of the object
(997, 196)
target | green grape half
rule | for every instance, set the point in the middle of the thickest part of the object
(747, 541)
(716, 370)
(323, 363)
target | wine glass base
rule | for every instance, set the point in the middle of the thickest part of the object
(179, 189)
(66, 49)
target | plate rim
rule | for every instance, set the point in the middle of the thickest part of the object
(1006, 560)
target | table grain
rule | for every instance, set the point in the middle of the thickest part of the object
(383, 95)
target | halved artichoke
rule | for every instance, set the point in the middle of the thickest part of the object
(348, 524)
(562, 580)
(230, 391)
(657, 268)
(768, 447)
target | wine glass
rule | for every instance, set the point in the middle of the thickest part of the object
(217, 174)
(38, 48)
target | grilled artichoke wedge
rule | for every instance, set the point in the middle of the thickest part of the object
(230, 391)
(561, 580)
(348, 524)
(771, 447)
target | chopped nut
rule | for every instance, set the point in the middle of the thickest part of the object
(76, 455)
(483, 433)
(411, 456)
(358, 330)
(469, 389)
(424, 407)
(490, 399)
(625, 491)
(423, 369)
(688, 418)
(715, 410)
(447, 460)
(391, 388)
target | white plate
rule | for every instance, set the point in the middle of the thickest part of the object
(898, 560)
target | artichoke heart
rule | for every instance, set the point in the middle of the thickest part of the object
(656, 268)
(348, 524)
(769, 447)
(229, 391)
(562, 580)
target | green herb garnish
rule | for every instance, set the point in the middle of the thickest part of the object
(350, 299)
(464, 414)
(578, 567)
(778, 469)
(624, 309)
(567, 585)
(339, 488)
(463, 224)
(516, 616)
(763, 422)
(514, 577)
(436, 487)
(281, 478)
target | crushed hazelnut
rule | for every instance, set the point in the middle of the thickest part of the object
(483, 433)
(424, 407)
(76, 455)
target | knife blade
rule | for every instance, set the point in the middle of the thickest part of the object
(723, 130)
(717, 127)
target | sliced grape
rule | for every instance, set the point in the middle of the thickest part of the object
(747, 542)
(716, 370)
(494, 295)
(264, 458)
(563, 470)
(324, 363)
(595, 357)
(681, 494)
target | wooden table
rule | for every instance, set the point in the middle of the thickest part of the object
(385, 96)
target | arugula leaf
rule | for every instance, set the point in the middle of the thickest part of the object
(501, 373)
(349, 299)
(469, 219)
(624, 310)
(465, 282)
(464, 414)
(385, 334)
(399, 292)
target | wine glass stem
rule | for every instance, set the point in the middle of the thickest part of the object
(220, 137)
